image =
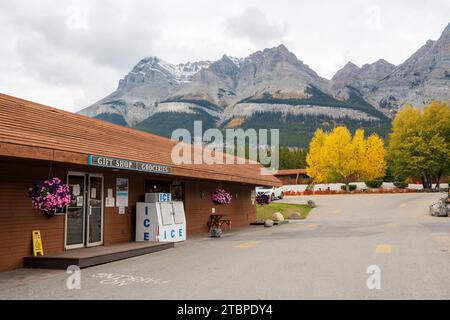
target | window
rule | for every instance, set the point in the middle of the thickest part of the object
(176, 189)
(157, 186)
(177, 192)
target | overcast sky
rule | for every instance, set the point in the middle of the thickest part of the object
(69, 54)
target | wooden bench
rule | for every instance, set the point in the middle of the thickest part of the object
(214, 221)
(217, 220)
(227, 222)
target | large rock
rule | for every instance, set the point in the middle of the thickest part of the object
(216, 233)
(268, 223)
(311, 203)
(439, 209)
(295, 216)
(277, 216)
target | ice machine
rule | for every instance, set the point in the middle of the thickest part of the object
(160, 220)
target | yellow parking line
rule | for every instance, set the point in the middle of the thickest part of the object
(337, 211)
(246, 245)
(402, 205)
(312, 226)
(383, 248)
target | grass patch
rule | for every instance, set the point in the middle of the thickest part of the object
(265, 212)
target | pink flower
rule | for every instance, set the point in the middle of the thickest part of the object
(49, 195)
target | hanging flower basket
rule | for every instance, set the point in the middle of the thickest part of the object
(49, 195)
(263, 199)
(220, 196)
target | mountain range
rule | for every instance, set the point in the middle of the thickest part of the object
(272, 88)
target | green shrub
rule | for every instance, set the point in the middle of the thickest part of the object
(352, 187)
(400, 184)
(374, 183)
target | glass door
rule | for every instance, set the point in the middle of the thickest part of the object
(75, 215)
(94, 229)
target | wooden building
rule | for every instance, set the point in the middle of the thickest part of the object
(293, 176)
(90, 155)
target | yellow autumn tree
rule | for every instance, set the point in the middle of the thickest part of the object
(419, 145)
(359, 146)
(373, 165)
(338, 157)
(316, 166)
(338, 153)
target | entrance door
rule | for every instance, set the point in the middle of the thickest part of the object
(95, 211)
(84, 217)
(76, 211)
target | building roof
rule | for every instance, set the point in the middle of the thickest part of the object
(288, 172)
(34, 131)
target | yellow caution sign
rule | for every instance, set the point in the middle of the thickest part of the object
(37, 243)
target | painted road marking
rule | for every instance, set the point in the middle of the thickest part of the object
(312, 226)
(246, 245)
(124, 279)
(403, 205)
(383, 248)
(337, 211)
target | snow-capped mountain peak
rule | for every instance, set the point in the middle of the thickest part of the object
(185, 71)
(180, 73)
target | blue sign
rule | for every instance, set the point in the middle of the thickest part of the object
(146, 225)
(172, 234)
(165, 197)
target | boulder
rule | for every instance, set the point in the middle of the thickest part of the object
(439, 208)
(268, 223)
(295, 216)
(277, 216)
(311, 203)
(216, 233)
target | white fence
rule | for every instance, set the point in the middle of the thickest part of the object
(359, 186)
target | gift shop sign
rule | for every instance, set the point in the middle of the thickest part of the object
(115, 163)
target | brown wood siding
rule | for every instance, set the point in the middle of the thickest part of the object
(18, 218)
(240, 211)
(119, 227)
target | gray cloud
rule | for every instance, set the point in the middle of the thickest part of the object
(254, 25)
(84, 48)
(107, 32)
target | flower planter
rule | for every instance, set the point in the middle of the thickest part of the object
(49, 195)
(221, 197)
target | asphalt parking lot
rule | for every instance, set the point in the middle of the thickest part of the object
(326, 256)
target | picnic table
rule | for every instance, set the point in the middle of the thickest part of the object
(217, 220)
